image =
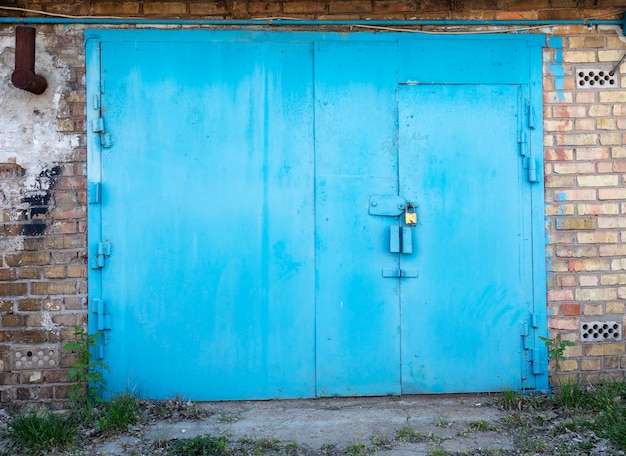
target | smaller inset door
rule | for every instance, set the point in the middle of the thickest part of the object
(460, 163)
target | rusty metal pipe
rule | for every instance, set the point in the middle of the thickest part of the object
(24, 76)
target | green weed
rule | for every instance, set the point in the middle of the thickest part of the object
(569, 396)
(380, 442)
(119, 413)
(443, 423)
(438, 452)
(41, 433)
(358, 449)
(202, 445)
(556, 349)
(510, 400)
(481, 426)
(86, 373)
(408, 434)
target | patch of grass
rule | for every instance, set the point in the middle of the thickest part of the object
(443, 423)
(41, 433)
(438, 452)
(119, 413)
(570, 396)
(481, 426)
(408, 434)
(381, 442)
(202, 445)
(358, 449)
(510, 400)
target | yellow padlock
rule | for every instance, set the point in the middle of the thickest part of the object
(410, 216)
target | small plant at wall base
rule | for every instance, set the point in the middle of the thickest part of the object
(556, 349)
(86, 373)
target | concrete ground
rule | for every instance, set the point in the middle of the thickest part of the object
(459, 423)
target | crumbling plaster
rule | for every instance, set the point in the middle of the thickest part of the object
(33, 135)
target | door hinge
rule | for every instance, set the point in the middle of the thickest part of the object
(103, 322)
(535, 356)
(103, 250)
(94, 192)
(522, 140)
(530, 164)
(105, 137)
(530, 114)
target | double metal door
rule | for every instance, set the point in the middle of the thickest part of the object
(247, 222)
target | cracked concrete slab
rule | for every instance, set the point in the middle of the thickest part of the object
(446, 422)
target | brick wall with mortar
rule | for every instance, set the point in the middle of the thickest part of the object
(42, 201)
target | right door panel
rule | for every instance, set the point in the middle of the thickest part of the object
(460, 164)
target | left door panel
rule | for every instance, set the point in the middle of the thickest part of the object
(208, 203)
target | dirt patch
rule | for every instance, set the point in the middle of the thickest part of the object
(397, 426)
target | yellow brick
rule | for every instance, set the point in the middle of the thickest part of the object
(618, 264)
(610, 56)
(563, 379)
(573, 352)
(579, 56)
(613, 250)
(595, 42)
(593, 310)
(611, 193)
(597, 237)
(618, 152)
(614, 42)
(595, 294)
(612, 97)
(607, 124)
(613, 222)
(600, 110)
(605, 349)
(598, 209)
(576, 42)
(568, 365)
(588, 281)
(612, 279)
(590, 364)
(597, 181)
(621, 293)
(615, 307)
(608, 139)
(611, 362)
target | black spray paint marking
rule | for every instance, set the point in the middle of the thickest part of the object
(38, 201)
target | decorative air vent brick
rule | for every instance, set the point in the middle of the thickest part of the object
(600, 331)
(596, 78)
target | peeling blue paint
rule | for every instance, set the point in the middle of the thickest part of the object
(556, 68)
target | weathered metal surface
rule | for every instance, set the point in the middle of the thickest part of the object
(249, 261)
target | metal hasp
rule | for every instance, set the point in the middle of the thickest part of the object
(387, 205)
(24, 76)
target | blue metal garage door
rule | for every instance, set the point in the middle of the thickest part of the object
(248, 195)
